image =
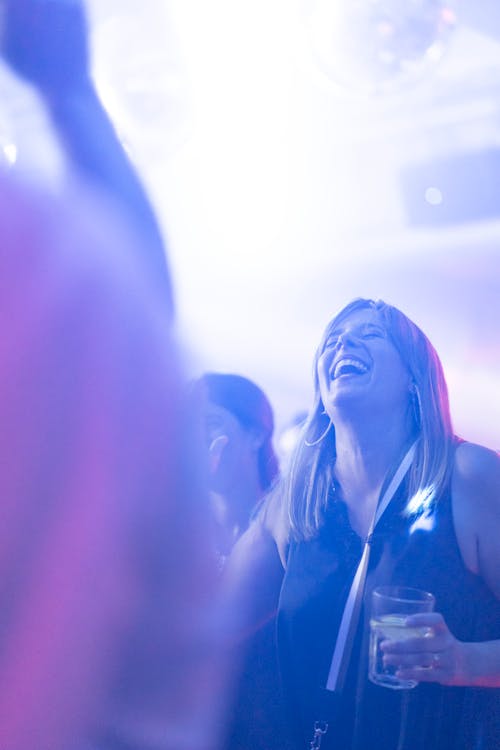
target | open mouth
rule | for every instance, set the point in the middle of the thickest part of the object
(349, 366)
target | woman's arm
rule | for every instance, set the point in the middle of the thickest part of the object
(476, 511)
(254, 571)
(253, 576)
(45, 42)
(440, 657)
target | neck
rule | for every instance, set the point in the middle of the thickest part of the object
(366, 451)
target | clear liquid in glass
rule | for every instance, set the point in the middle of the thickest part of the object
(390, 627)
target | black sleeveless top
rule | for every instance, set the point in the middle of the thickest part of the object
(418, 552)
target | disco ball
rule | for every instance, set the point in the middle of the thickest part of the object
(377, 46)
(140, 75)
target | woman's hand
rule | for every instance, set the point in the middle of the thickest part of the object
(439, 656)
(436, 656)
(45, 42)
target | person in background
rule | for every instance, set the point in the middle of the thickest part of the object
(238, 424)
(110, 635)
(45, 42)
(380, 427)
(109, 630)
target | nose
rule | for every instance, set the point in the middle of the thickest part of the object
(346, 337)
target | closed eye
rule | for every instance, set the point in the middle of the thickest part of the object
(373, 333)
(361, 334)
(332, 342)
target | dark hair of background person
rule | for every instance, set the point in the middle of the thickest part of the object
(250, 405)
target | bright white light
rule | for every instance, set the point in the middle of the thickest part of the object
(280, 198)
(10, 153)
(475, 405)
(433, 196)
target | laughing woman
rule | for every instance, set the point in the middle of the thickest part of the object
(379, 435)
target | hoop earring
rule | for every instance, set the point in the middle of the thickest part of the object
(324, 434)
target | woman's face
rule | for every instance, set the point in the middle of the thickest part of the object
(360, 367)
(239, 450)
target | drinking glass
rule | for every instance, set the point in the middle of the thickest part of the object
(390, 607)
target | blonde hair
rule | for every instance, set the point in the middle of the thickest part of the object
(309, 481)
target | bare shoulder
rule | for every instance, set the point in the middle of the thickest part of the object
(477, 470)
(274, 520)
(476, 510)
(477, 463)
(254, 573)
(267, 531)
(259, 545)
(253, 545)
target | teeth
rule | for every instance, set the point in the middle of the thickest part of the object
(348, 362)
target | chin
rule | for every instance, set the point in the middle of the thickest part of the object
(346, 400)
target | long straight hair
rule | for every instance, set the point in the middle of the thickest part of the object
(309, 481)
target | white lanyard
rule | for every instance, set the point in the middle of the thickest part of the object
(352, 608)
